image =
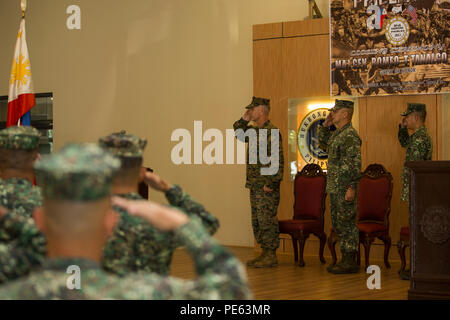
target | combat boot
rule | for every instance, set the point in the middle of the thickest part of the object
(338, 265)
(405, 275)
(348, 264)
(267, 261)
(252, 262)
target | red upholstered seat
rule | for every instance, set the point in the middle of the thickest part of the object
(309, 209)
(404, 231)
(371, 227)
(373, 195)
(289, 226)
(308, 195)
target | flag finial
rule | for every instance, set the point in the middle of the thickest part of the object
(23, 6)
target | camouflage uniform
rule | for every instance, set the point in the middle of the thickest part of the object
(19, 194)
(83, 173)
(344, 170)
(419, 147)
(25, 252)
(135, 245)
(264, 205)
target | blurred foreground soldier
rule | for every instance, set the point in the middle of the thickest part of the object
(135, 245)
(344, 171)
(419, 146)
(77, 218)
(18, 152)
(25, 251)
(264, 188)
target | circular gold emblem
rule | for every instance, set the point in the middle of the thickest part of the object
(397, 31)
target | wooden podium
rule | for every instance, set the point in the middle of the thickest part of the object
(430, 229)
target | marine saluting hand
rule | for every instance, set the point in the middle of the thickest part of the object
(156, 182)
(246, 115)
(403, 124)
(161, 217)
(328, 121)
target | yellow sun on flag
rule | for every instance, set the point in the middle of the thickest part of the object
(20, 70)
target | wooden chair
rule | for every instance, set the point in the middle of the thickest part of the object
(309, 209)
(402, 244)
(374, 207)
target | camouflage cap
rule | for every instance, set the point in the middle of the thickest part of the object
(122, 144)
(258, 102)
(414, 107)
(19, 138)
(340, 104)
(78, 172)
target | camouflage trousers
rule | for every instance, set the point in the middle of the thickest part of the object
(264, 217)
(343, 219)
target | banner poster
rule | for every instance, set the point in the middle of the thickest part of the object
(383, 47)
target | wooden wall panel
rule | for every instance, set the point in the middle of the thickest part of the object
(444, 103)
(306, 28)
(306, 71)
(268, 31)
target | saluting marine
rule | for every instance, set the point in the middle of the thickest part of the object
(264, 189)
(343, 175)
(419, 146)
(134, 245)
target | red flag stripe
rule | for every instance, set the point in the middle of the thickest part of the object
(18, 107)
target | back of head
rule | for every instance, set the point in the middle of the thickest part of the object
(129, 149)
(18, 148)
(76, 184)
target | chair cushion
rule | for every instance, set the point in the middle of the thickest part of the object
(404, 231)
(309, 193)
(373, 196)
(368, 227)
(287, 226)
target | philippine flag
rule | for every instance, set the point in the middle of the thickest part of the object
(21, 94)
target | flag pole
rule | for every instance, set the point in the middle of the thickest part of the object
(23, 6)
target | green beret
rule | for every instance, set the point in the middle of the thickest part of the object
(78, 172)
(414, 107)
(258, 102)
(125, 145)
(19, 138)
(340, 104)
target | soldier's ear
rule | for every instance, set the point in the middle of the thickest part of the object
(39, 218)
